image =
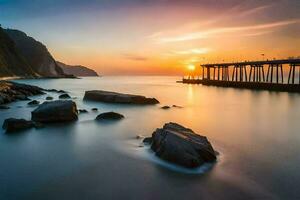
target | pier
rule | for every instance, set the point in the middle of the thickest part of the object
(259, 75)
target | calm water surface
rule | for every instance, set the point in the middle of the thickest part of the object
(256, 133)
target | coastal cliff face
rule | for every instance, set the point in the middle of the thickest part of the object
(76, 70)
(36, 54)
(12, 62)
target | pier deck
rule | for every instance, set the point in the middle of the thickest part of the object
(259, 75)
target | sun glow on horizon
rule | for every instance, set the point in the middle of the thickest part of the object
(191, 67)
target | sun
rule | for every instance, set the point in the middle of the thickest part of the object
(191, 67)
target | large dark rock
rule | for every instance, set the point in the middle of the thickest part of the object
(55, 111)
(114, 97)
(14, 125)
(180, 145)
(109, 116)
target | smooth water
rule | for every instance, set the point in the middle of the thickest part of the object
(256, 133)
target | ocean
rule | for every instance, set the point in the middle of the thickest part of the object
(255, 132)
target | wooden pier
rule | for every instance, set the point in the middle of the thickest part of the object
(259, 75)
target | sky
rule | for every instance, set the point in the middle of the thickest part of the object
(157, 37)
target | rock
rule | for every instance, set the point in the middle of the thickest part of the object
(113, 97)
(55, 111)
(139, 137)
(14, 125)
(180, 145)
(165, 107)
(11, 91)
(83, 111)
(22, 97)
(64, 96)
(175, 106)
(147, 140)
(34, 102)
(95, 109)
(57, 91)
(110, 116)
(2, 107)
(49, 98)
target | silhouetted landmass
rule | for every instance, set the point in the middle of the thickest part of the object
(76, 70)
(36, 54)
(12, 63)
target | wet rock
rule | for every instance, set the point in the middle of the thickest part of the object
(2, 107)
(49, 98)
(33, 103)
(175, 106)
(55, 111)
(95, 109)
(147, 140)
(114, 97)
(14, 125)
(165, 107)
(11, 91)
(109, 116)
(22, 97)
(139, 137)
(83, 111)
(55, 90)
(64, 96)
(180, 145)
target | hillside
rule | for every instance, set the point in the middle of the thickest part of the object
(77, 70)
(36, 54)
(12, 63)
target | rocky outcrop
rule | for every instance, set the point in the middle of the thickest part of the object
(14, 125)
(182, 146)
(109, 116)
(76, 70)
(10, 91)
(114, 97)
(12, 62)
(55, 111)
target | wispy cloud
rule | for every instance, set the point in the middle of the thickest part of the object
(255, 10)
(196, 51)
(216, 31)
(134, 57)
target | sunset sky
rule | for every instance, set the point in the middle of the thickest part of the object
(157, 37)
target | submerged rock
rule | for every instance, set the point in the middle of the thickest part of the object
(2, 107)
(83, 111)
(34, 102)
(94, 109)
(165, 107)
(49, 98)
(55, 111)
(14, 125)
(180, 145)
(64, 96)
(175, 106)
(114, 97)
(109, 116)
